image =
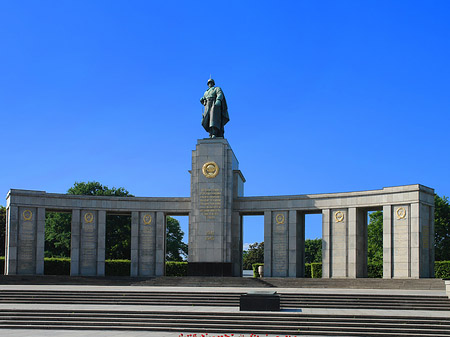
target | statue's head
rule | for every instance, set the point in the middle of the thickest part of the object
(211, 83)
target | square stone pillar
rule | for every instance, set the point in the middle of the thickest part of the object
(211, 230)
(92, 227)
(267, 244)
(40, 240)
(296, 244)
(11, 239)
(357, 243)
(143, 244)
(344, 247)
(284, 244)
(25, 240)
(101, 246)
(387, 241)
(160, 253)
(326, 243)
(75, 243)
(422, 240)
(236, 244)
(134, 265)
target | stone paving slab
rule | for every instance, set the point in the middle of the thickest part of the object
(224, 289)
(208, 309)
(110, 333)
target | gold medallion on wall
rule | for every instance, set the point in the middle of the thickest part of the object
(279, 218)
(27, 215)
(88, 217)
(401, 213)
(210, 169)
(339, 216)
(147, 219)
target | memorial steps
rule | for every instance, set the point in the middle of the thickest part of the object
(226, 299)
(281, 323)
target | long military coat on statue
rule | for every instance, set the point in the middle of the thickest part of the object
(215, 115)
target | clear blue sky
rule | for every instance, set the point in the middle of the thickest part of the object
(323, 96)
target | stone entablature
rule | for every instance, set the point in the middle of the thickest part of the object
(374, 199)
(67, 202)
(215, 211)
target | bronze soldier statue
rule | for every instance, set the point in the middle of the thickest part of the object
(215, 115)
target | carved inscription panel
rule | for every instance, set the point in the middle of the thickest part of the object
(280, 244)
(27, 242)
(88, 253)
(210, 202)
(147, 238)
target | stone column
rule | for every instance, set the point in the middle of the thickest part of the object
(40, 240)
(210, 234)
(352, 240)
(357, 243)
(267, 244)
(326, 243)
(11, 242)
(422, 240)
(401, 241)
(361, 243)
(27, 243)
(296, 244)
(236, 244)
(75, 243)
(134, 265)
(146, 244)
(283, 254)
(101, 246)
(387, 241)
(89, 243)
(339, 243)
(160, 255)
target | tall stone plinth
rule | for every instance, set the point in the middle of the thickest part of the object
(214, 234)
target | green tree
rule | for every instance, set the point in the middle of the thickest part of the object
(313, 250)
(95, 188)
(375, 237)
(2, 230)
(57, 234)
(441, 228)
(176, 249)
(254, 254)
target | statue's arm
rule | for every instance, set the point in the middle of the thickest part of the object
(219, 96)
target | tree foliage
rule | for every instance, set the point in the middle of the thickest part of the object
(57, 234)
(254, 254)
(441, 228)
(375, 237)
(176, 249)
(95, 188)
(313, 250)
(2, 230)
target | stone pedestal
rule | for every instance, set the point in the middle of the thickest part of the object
(260, 301)
(214, 238)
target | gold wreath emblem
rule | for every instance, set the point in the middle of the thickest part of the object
(401, 213)
(147, 219)
(339, 216)
(27, 215)
(279, 219)
(210, 169)
(89, 217)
